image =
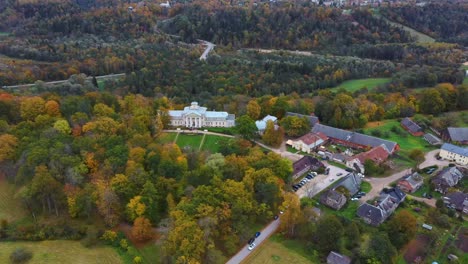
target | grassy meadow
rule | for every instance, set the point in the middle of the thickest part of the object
(10, 207)
(195, 141)
(355, 85)
(61, 251)
(278, 250)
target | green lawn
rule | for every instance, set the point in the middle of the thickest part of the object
(212, 143)
(61, 251)
(278, 250)
(406, 141)
(150, 253)
(337, 164)
(167, 138)
(4, 34)
(354, 85)
(10, 207)
(366, 187)
(189, 140)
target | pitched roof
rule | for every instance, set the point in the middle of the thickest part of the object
(352, 182)
(261, 124)
(396, 193)
(313, 138)
(373, 213)
(306, 162)
(354, 137)
(377, 154)
(448, 176)
(455, 149)
(433, 140)
(458, 133)
(312, 119)
(459, 199)
(336, 258)
(337, 199)
(411, 125)
(413, 179)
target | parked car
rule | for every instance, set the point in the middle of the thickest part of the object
(354, 199)
(251, 241)
(349, 170)
(339, 174)
(429, 196)
(276, 217)
(257, 234)
(332, 179)
(251, 246)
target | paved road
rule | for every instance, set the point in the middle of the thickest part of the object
(62, 81)
(244, 252)
(321, 182)
(431, 160)
(209, 47)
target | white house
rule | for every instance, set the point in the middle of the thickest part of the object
(454, 153)
(195, 116)
(166, 5)
(261, 124)
(308, 142)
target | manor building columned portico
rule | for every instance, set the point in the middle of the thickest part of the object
(195, 116)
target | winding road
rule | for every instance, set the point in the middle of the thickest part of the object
(209, 47)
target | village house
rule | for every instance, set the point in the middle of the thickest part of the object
(312, 119)
(411, 126)
(447, 178)
(457, 135)
(308, 142)
(352, 182)
(433, 140)
(457, 201)
(261, 124)
(355, 140)
(411, 182)
(195, 116)
(333, 199)
(306, 164)
(336, 258)
(377, 154)
(386, 204)
(454, 153)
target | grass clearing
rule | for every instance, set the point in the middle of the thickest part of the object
(150, 253)
(420, 37)
(167, 138)
(189, 140)
(355, 85)
(278, 250)
(61, 251)
(366, 187)
(10, 207)
(212, 143)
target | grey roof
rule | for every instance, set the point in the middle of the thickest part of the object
(458, 199)
(396, 193)
(231, 117)
(455, 149)
(433, 140)
(306, 162)
(352, 182)
(312, 119)
(337, 199)
(448, 176)
(373, 213)
(354, 137)
(411, 125)
(414, 179)
(458, 133)
(336, 258)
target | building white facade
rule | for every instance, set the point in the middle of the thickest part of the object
(195, 116)
(454, 153)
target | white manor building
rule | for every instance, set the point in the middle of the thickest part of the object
(195, 116)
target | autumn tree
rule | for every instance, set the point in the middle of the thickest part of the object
(292, 214)
(417, 155)
(273, 135)
(295, 126)
(328, 234)
(8, 144)
(52, 108)
(62, 126)
(46, 189)
(401, 228)
(135, 208)
(246, 127)
(32, 107)
(142, 229)
(253, 109)
(431, 102)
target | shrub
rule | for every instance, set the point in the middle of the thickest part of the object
(376, 133)
(20, 255)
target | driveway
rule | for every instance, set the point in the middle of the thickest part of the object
(321, 182)
(265, 234)
(431, 160)
(379, 183)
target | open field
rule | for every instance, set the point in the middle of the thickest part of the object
(10, 208)
(150, 253)
(354, 85)
(167, 138)
(420, 37)
(212, 143)
(407, 141)
(61, 251)
(277, 250)
(189, 140)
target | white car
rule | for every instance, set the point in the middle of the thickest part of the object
(251, 246)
